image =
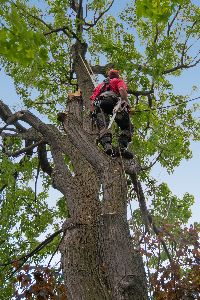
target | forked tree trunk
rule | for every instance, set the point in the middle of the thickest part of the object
(98, 258)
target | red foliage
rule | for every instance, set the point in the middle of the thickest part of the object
(40, 284)
(180, 278)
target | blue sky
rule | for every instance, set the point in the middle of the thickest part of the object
(187, 176)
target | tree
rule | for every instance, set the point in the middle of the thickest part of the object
(46, 49)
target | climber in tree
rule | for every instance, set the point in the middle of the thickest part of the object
(103, 100)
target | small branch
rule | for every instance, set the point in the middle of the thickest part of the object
(80, 10)
(147, 218)
(156, 35)
(173, 20)
(189, 47)
(21, 151)
(153, 163)
(30, 15)
(24, 258)
(140, 93)
(185, 44)
(6, 115)
(197, 61)
(157, 232)
(57, 248)
(180, 67)
(36, 181)
(99, 17)
(8, 128)
(63, 29)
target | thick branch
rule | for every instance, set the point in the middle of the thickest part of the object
(6, 115)
(81, 140)
(102, 69)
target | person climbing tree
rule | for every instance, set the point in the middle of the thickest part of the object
(104, 99)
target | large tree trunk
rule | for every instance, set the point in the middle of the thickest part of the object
(98, 258)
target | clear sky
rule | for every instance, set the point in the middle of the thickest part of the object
(186, 178)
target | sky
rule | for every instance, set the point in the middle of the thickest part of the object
(186, 177)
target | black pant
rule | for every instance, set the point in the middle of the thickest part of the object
(103, 110)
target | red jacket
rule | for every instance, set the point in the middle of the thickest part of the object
(114, 85)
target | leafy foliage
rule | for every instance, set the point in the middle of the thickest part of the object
(156, 10)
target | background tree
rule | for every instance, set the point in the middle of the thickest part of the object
(44, 48)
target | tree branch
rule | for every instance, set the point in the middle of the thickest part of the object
(21, 151)
(185, 44)
(99, 17)
(32, 16)
(173, 20)
(24, 258)
(102, 69)
(180, 67)
(8, 117)
(82, 141)
(147, 218)
(74, 5)
(153, 163)
(156, 35)
(63, 29)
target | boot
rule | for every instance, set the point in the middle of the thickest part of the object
(125, 153)
(117, 152)
(123, 144)
(106, 141)
(108, 149)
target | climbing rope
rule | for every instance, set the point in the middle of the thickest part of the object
(90, 72)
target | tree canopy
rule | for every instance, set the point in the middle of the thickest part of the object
(149, 42)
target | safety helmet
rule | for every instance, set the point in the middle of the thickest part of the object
(113, 73)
